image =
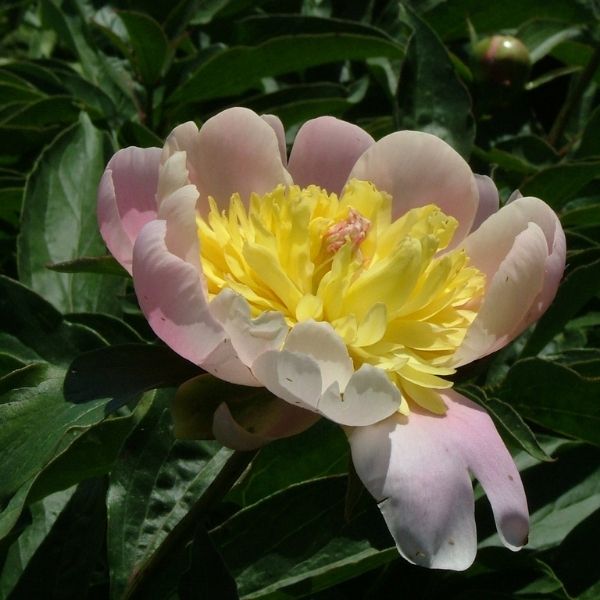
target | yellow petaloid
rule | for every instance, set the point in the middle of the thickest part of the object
(381, 284)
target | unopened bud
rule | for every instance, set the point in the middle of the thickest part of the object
(503, 60)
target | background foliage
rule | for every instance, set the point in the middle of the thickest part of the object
(95, 491)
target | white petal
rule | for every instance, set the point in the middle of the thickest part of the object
(320, 341)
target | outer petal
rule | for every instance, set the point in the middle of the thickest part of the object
(285, 420)
(521, 249)
(418, 168)
(171, 295)
(417, 467)
(489, 201)
(234, 151)
(126, 199)
(324, 152)
(277, 125)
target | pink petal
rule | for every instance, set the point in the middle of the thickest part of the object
(324, 152)
(126, 199)
(417, 468)
(417, 169)
(277, 126)
(489, 200)
(284, 420)
(172, 297)
(521, 249)
(234, 151)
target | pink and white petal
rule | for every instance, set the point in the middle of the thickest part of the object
(277, 125)
(489, 200)
(284, 419)
(179, 211)
(417, 468)
(490, 243)
(320, 341)
(184, 138)
(126, 199)
(492, 465)
(293, 377)
(172, 175)
(489, 248)
(236, 152)
(325, 151)
(369, 397)
(508, 298)
(171, 295)
(249, 337)
(223, 362)
(418, 168)
(411, 467)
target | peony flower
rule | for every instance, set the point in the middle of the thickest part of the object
(350, 281)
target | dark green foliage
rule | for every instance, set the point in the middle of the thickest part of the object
(95, 491)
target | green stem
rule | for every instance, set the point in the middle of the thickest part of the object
(573, 98)
(183, 532)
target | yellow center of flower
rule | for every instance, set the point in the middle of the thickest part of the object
(383, 285)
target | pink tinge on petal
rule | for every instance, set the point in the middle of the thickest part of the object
(509, 296)
(171, 295)
(325, 151)
(521, 249)
(417, 468)
(492, 465)
(127, 199)
(418, 168)
(489, 201)
(277, 126)
(233, 152)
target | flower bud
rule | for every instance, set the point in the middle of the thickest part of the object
(502, 60)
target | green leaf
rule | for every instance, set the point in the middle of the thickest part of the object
(449, 19)
(324, 451)
(59, 222)
(45, 112)
(575, 560)
(542, 35)
(560, 494)
(149, 45)
(97, 68)
(554, 396)
(430, 95)
(63, 565)
(37, 329)
(207, 576)
(589, 145)
(509, 420)
(43, 516)
(103, 265)
(123, 372)
(246, 66)
(282, 561)
(114, 331)
(38, 424)
(152, 487)
(579, 286)
(559, 184)
(260, 28)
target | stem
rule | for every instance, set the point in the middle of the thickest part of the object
(183, 532)
(573, 98)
